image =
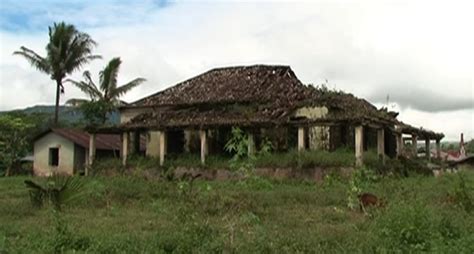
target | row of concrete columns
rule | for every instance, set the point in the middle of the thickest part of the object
(414, 143)
(427, 147)
(126, 136)
(162, 150)
(359, 143)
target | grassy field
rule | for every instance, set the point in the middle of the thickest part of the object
(124, 214)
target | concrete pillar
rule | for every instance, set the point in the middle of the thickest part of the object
(399, 144)
(92, 150)
(163, 146)
(381, 144)
(251, 144)
(301, 139)
(187, 141)
(438, 149)
(359, 144)
(125, 147)
(203, 137)
(414, 143)
(427, 149)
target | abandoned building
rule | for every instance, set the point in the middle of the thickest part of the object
(267, 102)
(64, 151)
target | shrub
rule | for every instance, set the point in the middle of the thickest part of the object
(107, 166)
(307, 159)
(405, 228)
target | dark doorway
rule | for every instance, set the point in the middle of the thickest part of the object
(175, 142)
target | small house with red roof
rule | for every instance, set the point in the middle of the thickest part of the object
(64, 151)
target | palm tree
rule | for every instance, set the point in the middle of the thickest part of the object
(67, 51)
(108, 92)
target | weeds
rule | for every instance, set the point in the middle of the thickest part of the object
(255, 215)
(463, 193)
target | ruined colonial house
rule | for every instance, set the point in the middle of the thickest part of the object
(267, 102)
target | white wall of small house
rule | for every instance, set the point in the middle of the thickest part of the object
(41, 164)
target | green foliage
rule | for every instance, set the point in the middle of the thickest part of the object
(361, 178)
(103, 98)
(109, 167)
(406, 228)
(238, 146)
(13, 140)
(75, 51)
(95, 112)
(130, 214)
(56, 190)
(464, 192)
(64, 239)
(306, 159)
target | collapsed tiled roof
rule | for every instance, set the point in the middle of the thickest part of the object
(244, 84)
(251, 95)
(246, 95)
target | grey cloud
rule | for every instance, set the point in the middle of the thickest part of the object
(424, 99)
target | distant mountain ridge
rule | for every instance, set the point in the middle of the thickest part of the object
(67, 114)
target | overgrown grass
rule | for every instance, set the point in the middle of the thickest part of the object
(307, 159)
(291, 159)
(129, 214)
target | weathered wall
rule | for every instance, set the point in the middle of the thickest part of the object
(41, 155)
(312, 112)
(153, 144)
(129, 113)
(318, 136)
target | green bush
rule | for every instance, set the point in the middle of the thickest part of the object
(406, 228)
(107, 166)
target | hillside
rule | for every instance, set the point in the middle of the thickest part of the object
(67, 114)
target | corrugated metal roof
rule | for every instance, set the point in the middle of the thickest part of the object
(81, 138)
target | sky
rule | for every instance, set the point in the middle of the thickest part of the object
(415, 57)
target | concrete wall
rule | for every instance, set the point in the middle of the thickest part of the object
(41, 155)
(318, 136)
(312, 112)
(153, 144)
(127, 114)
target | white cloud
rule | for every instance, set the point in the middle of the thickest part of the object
(418, 52)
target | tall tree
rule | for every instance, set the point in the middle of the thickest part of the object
(106, 96)
(67, 51)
